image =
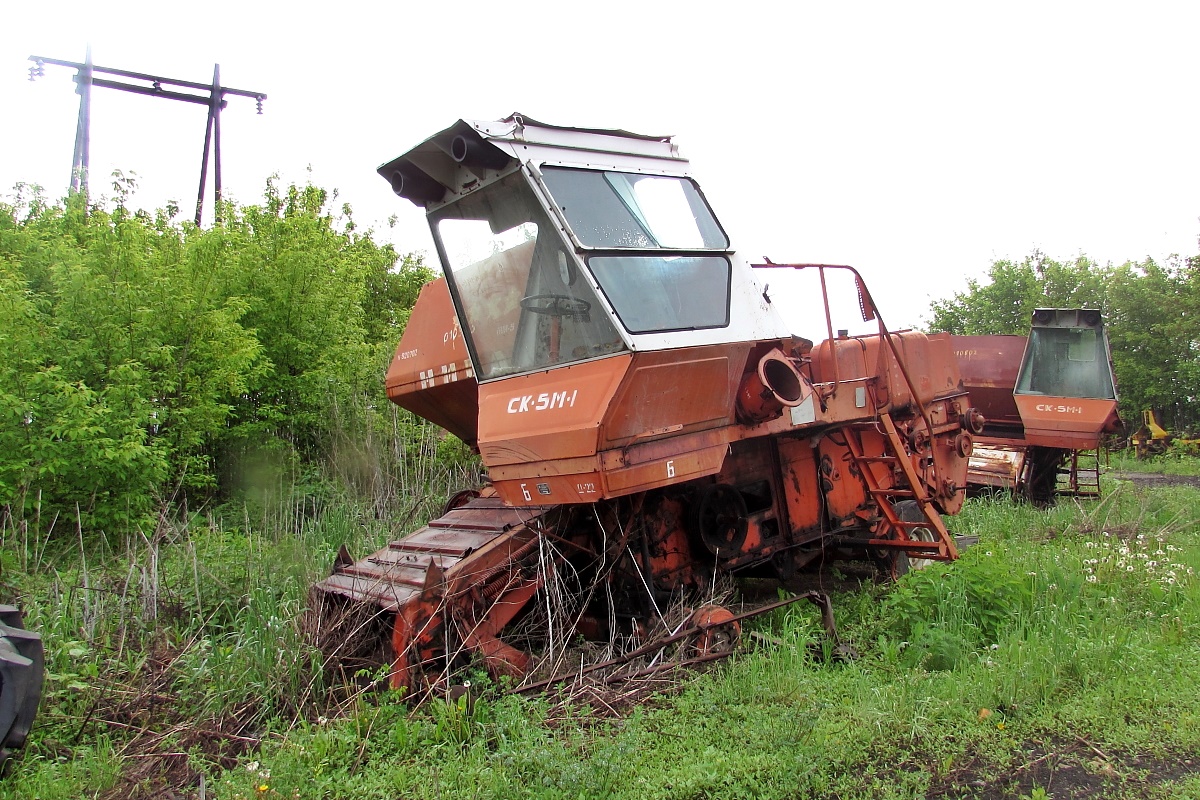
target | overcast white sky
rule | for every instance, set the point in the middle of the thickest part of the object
(916, 141)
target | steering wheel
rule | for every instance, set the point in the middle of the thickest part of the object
(556, 305)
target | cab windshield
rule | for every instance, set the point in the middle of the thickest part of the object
(652, 290)
(630, 210)
(517, 285)
(1066, 362)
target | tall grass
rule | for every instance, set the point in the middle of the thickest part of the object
(195, 627)
(1039, 637)
(963, 669)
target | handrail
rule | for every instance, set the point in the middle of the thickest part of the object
(869, 311)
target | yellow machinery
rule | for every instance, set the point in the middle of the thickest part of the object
(1151, 438)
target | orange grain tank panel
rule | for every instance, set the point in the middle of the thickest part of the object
(547, 416)
(989, 367)
(1074, 423)
(431, 373)
(931, 358)
(673, 391)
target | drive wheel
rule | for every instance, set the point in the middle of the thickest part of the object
(721, 519)
(895, 564)
(719, 631)
(909, 511)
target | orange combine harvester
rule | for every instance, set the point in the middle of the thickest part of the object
(647, 421)
(1048, 398)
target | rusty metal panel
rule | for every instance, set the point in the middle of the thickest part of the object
(671, 469)
(799, 478)
(996, 465)
(534, 489)
(378, 590)
(669, 392)
(989, 366)
(397, 573)
(431, 372)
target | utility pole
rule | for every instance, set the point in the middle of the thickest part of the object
(151, 85)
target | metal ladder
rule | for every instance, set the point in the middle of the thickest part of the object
(1082, 474)
(893, 532)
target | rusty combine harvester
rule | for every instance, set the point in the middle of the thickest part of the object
(1048, 399)
(647, 421)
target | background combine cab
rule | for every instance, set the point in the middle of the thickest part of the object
(1048, 399)
(649, 424)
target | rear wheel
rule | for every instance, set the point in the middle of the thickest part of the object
(895, 564)
(909, 511)
(22, 669)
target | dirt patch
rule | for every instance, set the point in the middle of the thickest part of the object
(164, 748)
(1064, 768)
(1153, 479)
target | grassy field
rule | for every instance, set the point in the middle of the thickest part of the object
(1058, 658)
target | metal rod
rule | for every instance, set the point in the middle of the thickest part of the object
(150, 91)
(81, 160)
(204, 166)
(658, 644)
(142, 76)
(216, 101)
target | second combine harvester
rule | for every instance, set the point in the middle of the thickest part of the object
(647, 420)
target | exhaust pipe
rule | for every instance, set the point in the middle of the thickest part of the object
(775, 384)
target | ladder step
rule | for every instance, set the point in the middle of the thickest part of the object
(893, 493)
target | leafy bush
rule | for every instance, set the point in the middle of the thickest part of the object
(149, 360)
(946, 611)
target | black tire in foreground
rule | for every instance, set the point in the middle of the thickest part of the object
(22, 669)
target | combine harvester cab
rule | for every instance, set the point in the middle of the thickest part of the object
(647, 420)
(1048, 398)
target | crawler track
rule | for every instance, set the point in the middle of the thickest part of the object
(450, 587)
